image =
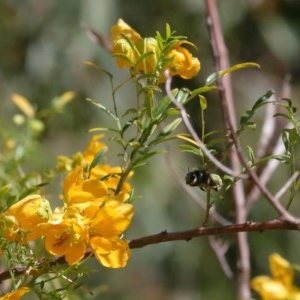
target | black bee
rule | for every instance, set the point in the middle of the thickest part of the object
(204, 180)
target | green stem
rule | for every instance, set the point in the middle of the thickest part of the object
(208, 206)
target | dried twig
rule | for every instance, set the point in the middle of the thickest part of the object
(236, 155)
(192, 131)
(220, 247)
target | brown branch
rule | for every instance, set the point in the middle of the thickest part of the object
(249, 226)
(165, 236)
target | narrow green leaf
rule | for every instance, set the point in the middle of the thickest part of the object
(238, 67)
(94, 66)
(203, 102)
(212, 78)
(216, 75)
(201, 90)
(182, 95)
(263, 99)
(246, 116)
(171, 127)
(251, 155)
(163, 105)
(103, 108)
(97, 159)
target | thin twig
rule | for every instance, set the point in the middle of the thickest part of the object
(220, 247)
(287, 185)
(211, 7)
(192, 131)
(224, 84)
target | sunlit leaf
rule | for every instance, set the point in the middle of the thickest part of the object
(187, 139)
(215, 76)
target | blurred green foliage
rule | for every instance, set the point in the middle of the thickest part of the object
(43, 45)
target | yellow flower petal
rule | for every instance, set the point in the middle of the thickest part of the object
(281, 269)
(112, 219)
(183, 63)
(93, 147)
(28, 213)
(78, 191)
(68, 237)
(23, 104)
(123, 28)
(16, 295)
(269, 288)
(116, 252)
(280, 287)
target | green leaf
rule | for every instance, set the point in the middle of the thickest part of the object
(191, 149)
(263, 100)
(147, 155)
(171, 127)
(163, 105)
(93, 65)
(173, 112)
(202, 90)
(103, 108)
(215, 76)
(182, 95)
(5, 190)
(203, 102)
(251, 156)
(97, 159)
(248, 114)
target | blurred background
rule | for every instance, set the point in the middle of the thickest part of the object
(43, 45)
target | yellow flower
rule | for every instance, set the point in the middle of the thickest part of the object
(108, 223)
(21, 219)
(122, 29)
(93, 147)
(280, 286)
(129, 47)
(81, 192)
(183, 63)
(125, 39)
(16, 295)
(110, 176)
(124, 53)
(67, 236)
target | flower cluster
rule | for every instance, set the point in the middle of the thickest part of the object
(280, 286)
(152, 56)
(92, 215)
